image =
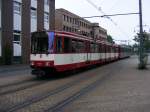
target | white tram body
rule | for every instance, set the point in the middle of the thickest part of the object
(62, 51)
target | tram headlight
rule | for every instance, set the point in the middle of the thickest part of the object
(32, 63)
(47, 63)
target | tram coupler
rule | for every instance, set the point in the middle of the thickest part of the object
(38, 72)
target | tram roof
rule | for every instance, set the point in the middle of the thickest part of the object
(80, 37)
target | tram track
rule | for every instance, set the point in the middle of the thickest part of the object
(15, 83)
(15, 87)
(59, 90)
(60, 105)
(32, 100)
(47, 94)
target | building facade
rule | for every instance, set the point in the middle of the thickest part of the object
(67, 21)
(18, 18)
(99, 32)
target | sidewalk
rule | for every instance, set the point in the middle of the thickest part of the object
(9, 68)
(126, 90)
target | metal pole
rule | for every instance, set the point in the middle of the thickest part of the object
(141, 49)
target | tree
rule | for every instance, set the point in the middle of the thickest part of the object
(146, 42)
(110, 39)
(146, 37)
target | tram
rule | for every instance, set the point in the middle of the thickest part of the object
(58, 51)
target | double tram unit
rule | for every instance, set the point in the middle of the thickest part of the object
(63, 51)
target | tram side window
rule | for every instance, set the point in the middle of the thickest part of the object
(74, 45)
(59, 45)
(114, 49)
(96, 48)
(111, 50)
(117, 50)
(108, 49)
(92, 47)
(102, 48)
(67, 45)
(80, 46)
(105, 49)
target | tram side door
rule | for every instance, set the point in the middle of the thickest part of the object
(88, 54)
(100, 51)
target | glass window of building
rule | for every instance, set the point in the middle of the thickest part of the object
(64, 17)
(46, 17)
(46, 2)
(33, 13)
(17, 7)
(67, 19)
(70, 19)
(64, 28)
(17, 38)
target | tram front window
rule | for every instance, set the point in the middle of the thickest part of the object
(40, 43)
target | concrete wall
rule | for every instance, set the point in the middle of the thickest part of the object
(0, 30)
(0, 43)
(52, 14)
(7, 31)
(58, 21)
(26, 17)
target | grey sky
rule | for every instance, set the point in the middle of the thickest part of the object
(124, 30)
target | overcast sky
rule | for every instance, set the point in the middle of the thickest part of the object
(124, 30)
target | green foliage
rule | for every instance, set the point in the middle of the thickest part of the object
(110, 39)
(146, 40)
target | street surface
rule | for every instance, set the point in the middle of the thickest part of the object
(115, 87)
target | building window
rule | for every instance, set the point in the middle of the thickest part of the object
(70, 20)
(46, 2)
(73, 21)
(80, 23)
(67, 19)
(33, 13)
(72, 29)
(64, 28)
(46, 17)
(17, 7)
(67, 29)
(17, 38)
(64, 17)
(17, 44)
